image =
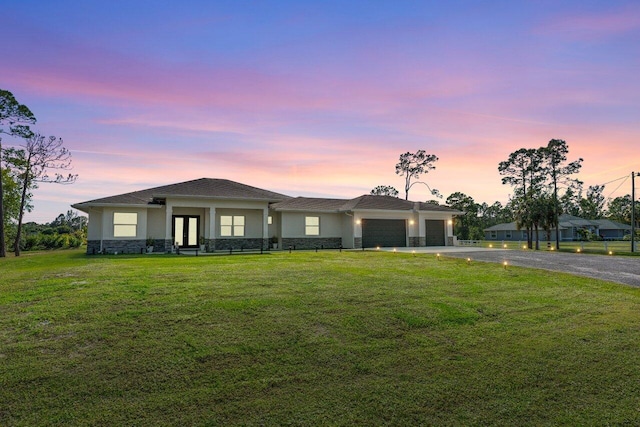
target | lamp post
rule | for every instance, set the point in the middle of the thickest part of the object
(633, 211)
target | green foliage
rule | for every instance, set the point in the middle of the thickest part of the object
(351, 338)
(537, 175)
(66, 231)
(412, 165)
(384, 190)
(15, 118)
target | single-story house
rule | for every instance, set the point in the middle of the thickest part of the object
(222, 214)
(569, 227)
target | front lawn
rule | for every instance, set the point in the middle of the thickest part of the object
(329, 338)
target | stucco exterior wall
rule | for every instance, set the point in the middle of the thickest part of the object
(107, 223)
(253, 222)
(94, 228)
(156, 223)
(293, 224)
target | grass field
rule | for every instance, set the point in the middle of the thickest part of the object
(617, 247)
(351, 338)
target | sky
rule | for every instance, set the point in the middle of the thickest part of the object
(319, 98)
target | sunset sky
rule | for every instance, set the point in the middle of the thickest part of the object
(319, 98)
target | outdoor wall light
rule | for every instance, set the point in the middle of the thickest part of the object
(358, 221)
(449, 222)
(411, 222)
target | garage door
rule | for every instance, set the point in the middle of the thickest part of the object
(435, 232)
(384, 233)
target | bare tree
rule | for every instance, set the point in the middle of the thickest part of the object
(15, 119)
(41, 154)
(412, 165)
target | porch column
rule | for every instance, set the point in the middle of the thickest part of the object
(210, 238)
(265, 223)
(450, 240)
(168, 226)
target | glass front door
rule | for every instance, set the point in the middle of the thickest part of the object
(186, 230)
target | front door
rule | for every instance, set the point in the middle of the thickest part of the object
(186, 229)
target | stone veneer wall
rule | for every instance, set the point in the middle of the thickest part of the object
(238, 244)
(93, 247)
(312, 243)
(414, 242)
(120, 246)
(357, 242)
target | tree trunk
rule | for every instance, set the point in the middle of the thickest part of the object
(3, 250)
(555, 211)
(25, 186)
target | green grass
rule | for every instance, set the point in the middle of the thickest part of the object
(351, 338)
(617, 247)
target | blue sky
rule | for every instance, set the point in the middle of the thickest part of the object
(320, 98)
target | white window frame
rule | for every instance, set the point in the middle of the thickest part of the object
(125, 224)
(232, 225)
(311, 225)
(493, 234)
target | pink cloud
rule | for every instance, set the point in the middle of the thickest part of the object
(594, 25)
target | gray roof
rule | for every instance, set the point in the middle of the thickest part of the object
(607, 224)
(364, 202)
(226, 189)
(309, 204)
(203, 187)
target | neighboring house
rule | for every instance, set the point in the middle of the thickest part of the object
(569, 227)
(228, 215)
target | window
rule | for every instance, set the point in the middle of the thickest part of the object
(312, 225)
(507, 234)
(125, 224)
(231, 225)
(494, 234)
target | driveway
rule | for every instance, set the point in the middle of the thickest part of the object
(619, 269)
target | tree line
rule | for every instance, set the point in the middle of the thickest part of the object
(23, 167)
(544, 187)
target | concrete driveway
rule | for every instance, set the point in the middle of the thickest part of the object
(619, 269)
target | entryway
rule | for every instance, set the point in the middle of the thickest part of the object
(186, 230)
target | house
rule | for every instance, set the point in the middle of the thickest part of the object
(569, 227)
(223, 215)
